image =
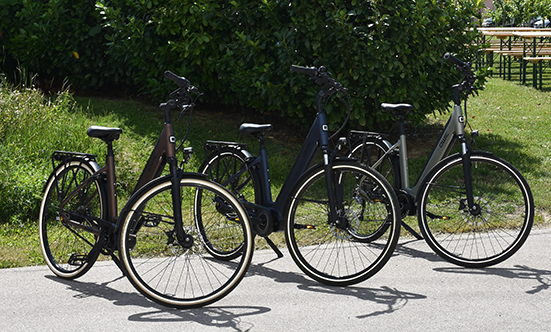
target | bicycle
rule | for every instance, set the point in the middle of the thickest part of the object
(473, 208)
(330, 211)
(159, 247)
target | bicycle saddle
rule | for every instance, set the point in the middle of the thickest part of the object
(253, 128)
(104, 133)
(398, 109)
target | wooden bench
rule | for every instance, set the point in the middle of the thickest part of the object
(538, 62)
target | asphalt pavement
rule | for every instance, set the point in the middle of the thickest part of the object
(415, 291)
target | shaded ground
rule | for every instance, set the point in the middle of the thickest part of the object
(420, 139)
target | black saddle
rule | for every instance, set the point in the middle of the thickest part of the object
(104, 133)
(253, 128)
(398, 109)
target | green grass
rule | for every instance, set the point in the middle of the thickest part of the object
(513, 121)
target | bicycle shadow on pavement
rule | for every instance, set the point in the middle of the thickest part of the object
(391, 298)
(542, 277)
(403, 249)
(222, 316)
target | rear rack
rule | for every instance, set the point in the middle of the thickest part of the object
(64, 156)
(355, 135)
(215, 146)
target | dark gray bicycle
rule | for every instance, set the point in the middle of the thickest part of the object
(473, 208)
(341, 219)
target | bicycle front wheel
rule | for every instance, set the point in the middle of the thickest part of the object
(175, 273)
(497, 226)
(359, 243)
(67, 244)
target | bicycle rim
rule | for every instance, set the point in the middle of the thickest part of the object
(343, 256)
(66, 248)
(167, 272)
(488, 236)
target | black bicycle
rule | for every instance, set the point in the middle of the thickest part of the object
(473, 208)
(160, 249)
(341, 219)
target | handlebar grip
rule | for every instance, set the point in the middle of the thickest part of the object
(181, 81)
(454, 60)
(310, 71)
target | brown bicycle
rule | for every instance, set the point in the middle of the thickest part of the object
(160, 247)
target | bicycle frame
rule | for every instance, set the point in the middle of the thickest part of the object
(316, 140)
(164, 152)
(453, 130)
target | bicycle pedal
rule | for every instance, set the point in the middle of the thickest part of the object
(436, 216)
(301, 226)
(78, 259)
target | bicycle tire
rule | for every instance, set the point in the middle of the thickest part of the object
(220, 167)
(162, 269)
(494, 232)
(346, 256)
(67, 249)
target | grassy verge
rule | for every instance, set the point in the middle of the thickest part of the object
(512, 121)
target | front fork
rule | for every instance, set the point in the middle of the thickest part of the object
(334, 194)
(184, 239)
(467, 174)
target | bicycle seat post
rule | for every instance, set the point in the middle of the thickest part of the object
(111, 182)
(403, 154)
(108, 135)
(265, 173)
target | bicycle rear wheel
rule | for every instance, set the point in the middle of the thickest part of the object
(67, 248)
(357, 245)
(227, 167)
(494, 230)
(368, 151)
(175, 274)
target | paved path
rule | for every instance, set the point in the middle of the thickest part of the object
(415, 291)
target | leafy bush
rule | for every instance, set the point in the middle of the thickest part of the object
(57, 39)
(31, 128)
(239, 52)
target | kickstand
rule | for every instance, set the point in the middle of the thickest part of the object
(274, 247)
(412, 231)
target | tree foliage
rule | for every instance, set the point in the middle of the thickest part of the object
(519, 12)
(240, 51)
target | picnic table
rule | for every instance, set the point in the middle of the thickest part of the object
(535, 50)
(505, 47)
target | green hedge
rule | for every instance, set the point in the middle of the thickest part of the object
(240, 51)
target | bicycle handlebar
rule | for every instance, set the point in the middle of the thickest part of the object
(469, 77)
(310, 71)
(454, 60)
(329, 86)
(321, 76)
(182, 82)
(464, 67)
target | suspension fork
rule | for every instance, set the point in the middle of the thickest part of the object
(184, 239)
(334, 195)
(467, 174)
